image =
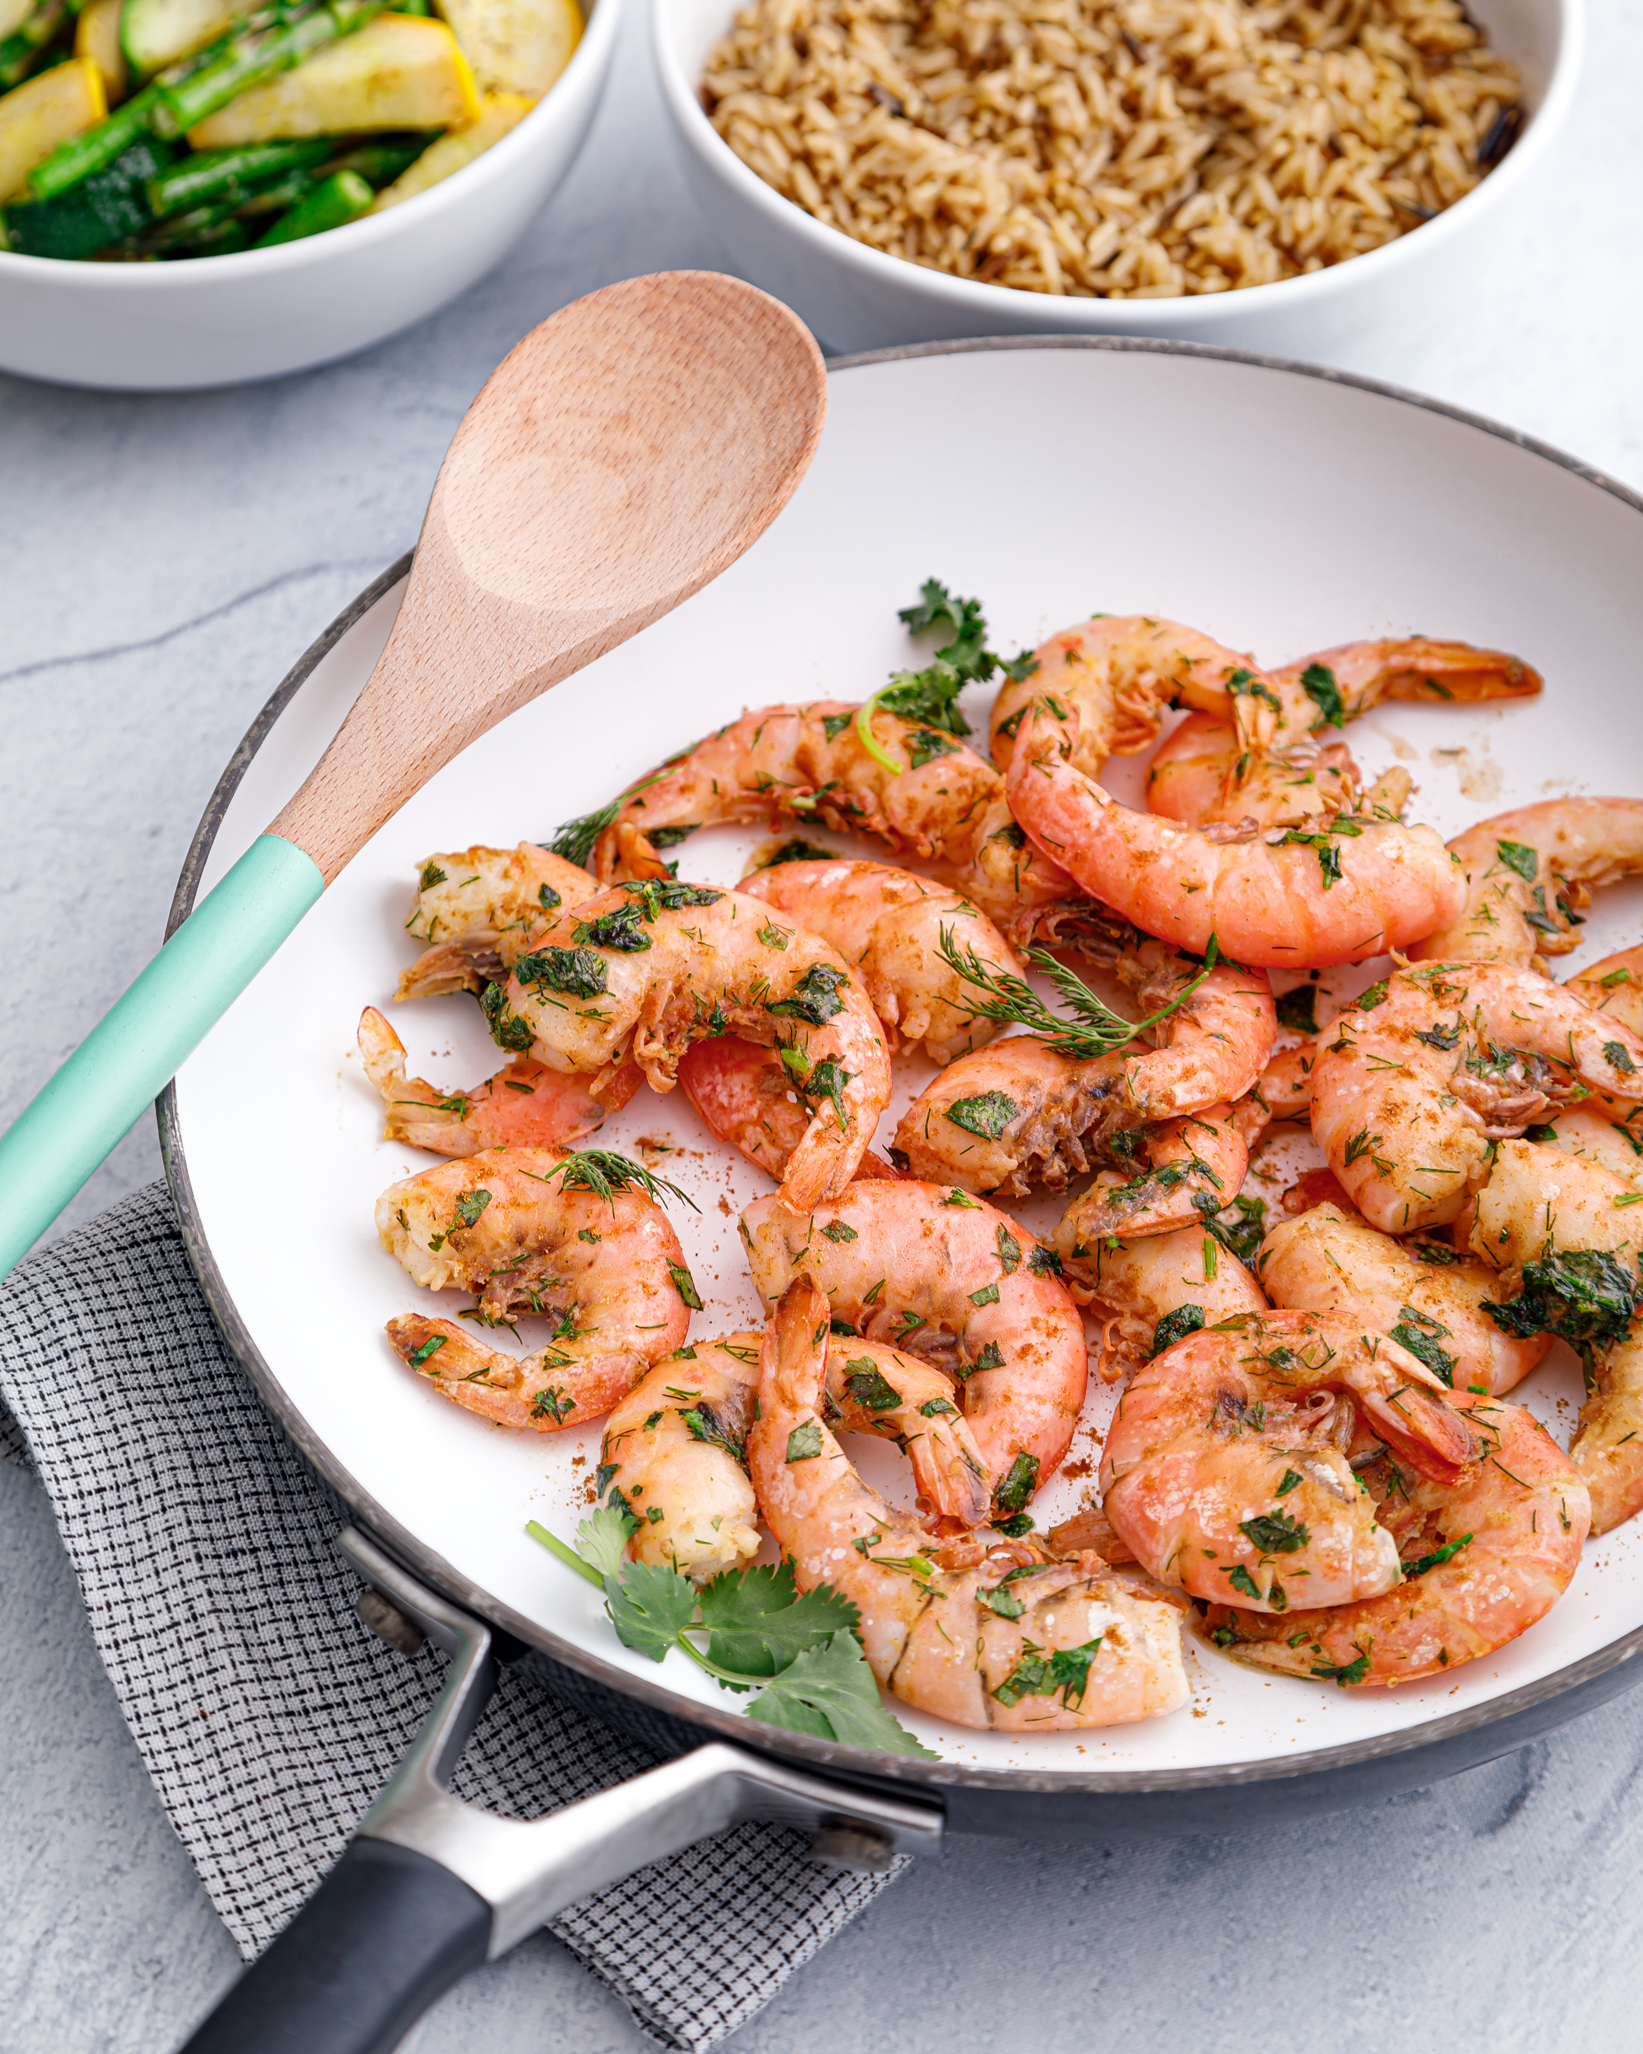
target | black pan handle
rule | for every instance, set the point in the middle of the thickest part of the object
(430, 1887)
(383, 1937)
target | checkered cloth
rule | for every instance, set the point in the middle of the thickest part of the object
(268, 1716)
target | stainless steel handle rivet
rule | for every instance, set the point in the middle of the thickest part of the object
(389, 1623)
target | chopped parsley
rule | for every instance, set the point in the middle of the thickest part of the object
(1298, 1009)
(1585, 1295)
(987, 1114)
(1520, 857)
(1318, 683)
(1274, 1533)
(804, 1443)
(1175, 1326)
(869, 1386)
(578, 971)
(1064, 1674)
(815, 998)
(1019, 1483)
(684, 1286)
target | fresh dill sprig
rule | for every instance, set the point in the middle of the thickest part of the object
(930, 696)
(603, 1172)
(1094, 1030)
(576, 838)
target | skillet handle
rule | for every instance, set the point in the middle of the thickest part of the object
(430, 1886)
(383, 1937)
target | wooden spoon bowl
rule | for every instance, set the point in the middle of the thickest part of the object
(620, 457)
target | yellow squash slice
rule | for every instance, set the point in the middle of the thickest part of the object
(515, 46)
(399, 71)
(51, 109)
(155, 33)
(498, 112)
(97, 40)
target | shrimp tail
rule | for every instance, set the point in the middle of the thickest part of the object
(544, 1391)
(793, 1358)
(1430, 1435)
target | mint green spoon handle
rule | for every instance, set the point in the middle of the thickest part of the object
(126, 1061)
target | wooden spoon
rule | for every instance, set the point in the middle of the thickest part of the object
(627, 451)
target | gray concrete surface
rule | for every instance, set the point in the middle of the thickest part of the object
(166, 559)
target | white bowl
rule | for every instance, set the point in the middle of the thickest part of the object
(858, 298)
(260, 313)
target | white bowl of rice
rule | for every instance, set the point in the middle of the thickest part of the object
(1285, 176)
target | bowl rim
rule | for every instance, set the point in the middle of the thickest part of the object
(1186, 312)
(600, 21)
(1498, 1714)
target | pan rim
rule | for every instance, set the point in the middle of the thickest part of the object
(829, 1757)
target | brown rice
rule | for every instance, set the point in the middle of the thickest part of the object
(1128, 149)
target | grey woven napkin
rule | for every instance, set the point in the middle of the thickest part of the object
(266, 1713)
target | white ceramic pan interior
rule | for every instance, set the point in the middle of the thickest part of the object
(1282, 511)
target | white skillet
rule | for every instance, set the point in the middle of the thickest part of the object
(1281, 509)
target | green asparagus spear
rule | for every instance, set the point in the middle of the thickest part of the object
(253, 49)
(229, 176)
(83, 156)
(250, 58)
(341, 198)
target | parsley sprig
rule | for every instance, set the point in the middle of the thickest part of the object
(1094, 1030)
(930, 696)
(799, 1652)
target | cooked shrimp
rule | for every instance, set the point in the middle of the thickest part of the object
(1352, 890)
(522, 1106)
(931, 1270)
(673, 1453)
(1203, 774)
(524, 1230)
(809, 763)
(1428, 1298)
(941, 803)
(1568, 1238)
(1614, 986)
(980, 1632)
(1207, 770)
(745, 1094)
(1528, 874)
(1450, 1057)
(1482, 1558)
(650, 967)
(1148, 1293)
(1020, 1113)
(475, 905)
(673, 1457)
(1121, 671)
(1017, 1115)
(888, 926)
(1225, 1467)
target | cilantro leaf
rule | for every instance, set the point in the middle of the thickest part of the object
(649, 1606)
(829, 1691)
(602, 1540)
(759, 1623)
